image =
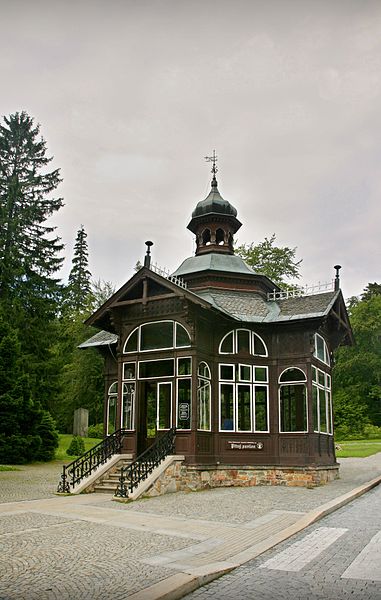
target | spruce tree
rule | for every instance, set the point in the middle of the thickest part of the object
(29, 252)
(29, 249)
(79, 286)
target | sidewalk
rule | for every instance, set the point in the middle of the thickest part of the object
(88, 546)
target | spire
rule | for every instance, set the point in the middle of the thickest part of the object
(213, 159)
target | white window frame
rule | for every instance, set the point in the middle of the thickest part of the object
(326, 388)
(206, 380)
(159, 376)
(252, 336)
(297, 382)
(114, 395)
(129, 362)
(128, 382)
(159, 383)
(327, 359)
(235, 382)
(139, 329)
(177, 366)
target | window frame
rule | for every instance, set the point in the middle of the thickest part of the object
(252, 336)
(293, 383)
(139, 340)
(206, 380)
(327, 390)
(327, 358)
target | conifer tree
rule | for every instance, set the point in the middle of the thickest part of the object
(79, 286)
(29, 252)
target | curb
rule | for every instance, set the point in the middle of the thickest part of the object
(179, 585)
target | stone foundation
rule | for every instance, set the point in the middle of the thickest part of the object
(181, 478)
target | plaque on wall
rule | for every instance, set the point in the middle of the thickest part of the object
(245, 445)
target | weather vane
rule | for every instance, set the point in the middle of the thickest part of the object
(213, 159)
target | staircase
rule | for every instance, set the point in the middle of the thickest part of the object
(108, 482)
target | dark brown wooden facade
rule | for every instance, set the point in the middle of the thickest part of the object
(244, 377)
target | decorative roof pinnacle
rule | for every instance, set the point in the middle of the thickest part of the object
(213, 159)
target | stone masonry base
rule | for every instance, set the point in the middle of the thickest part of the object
(179, 477)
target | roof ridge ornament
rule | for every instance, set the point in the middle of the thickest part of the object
(213, 159)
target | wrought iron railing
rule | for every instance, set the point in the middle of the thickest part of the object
(88, 462)
(143, 466)
(299, 292)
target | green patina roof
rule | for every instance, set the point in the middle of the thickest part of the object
(214, 261)
(214, 203)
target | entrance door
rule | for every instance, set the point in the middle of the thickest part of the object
(155, 412)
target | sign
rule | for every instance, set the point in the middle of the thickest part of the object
(245, 445)
(183, 411)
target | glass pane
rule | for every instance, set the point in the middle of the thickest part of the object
(244, 373)
(227, 372)
(111, 420)
(203, 370)
(203, 421)
(319, 348)
(132, 342)
(129, 370)
(293, 375)
(184, 366)
(226, 402)
(151, 395)
(156, 368)
(243, 341)
(322, 411)
(261, 423)
(227, 344)
(244, 407)
(184, 404)
(328, 381)
(315, 408)
(293, 415)
(259, 347)
(260, 374)
(182, 337)
(128, 405)
(156, 335)
(329, 409)
(164, 405)
(113, 389)
(321, 378)
(314, 374)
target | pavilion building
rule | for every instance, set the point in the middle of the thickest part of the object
(240, 368)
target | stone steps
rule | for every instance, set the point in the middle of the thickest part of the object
(109, 481)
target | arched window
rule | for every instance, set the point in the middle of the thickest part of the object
(220, 236)
(292, 401)
(203, 397)
(158, 335)
(206, 237)
(321, 350)
(243, 341)
(112, 401)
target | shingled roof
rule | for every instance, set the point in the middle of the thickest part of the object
(254, 308)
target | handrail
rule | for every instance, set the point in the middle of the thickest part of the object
(137, 471)
(88, 462)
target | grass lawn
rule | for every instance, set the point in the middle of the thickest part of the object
(64, 444)
(359, 448)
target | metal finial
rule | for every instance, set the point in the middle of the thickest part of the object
(147, 258)
(213, 159)
(337, 278)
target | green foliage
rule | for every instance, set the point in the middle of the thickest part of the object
(79, 286)
(77, 446)
(277, 263)
(357, 372)
(95, 431)
(27, 432)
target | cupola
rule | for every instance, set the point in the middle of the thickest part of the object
(214, 221)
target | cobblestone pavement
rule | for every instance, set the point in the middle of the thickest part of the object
(88, 546)
(338, 558)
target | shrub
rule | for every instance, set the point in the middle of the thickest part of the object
(77, 446)
(372, 432)
(95, 431)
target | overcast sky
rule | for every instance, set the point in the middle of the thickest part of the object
(131, 95)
